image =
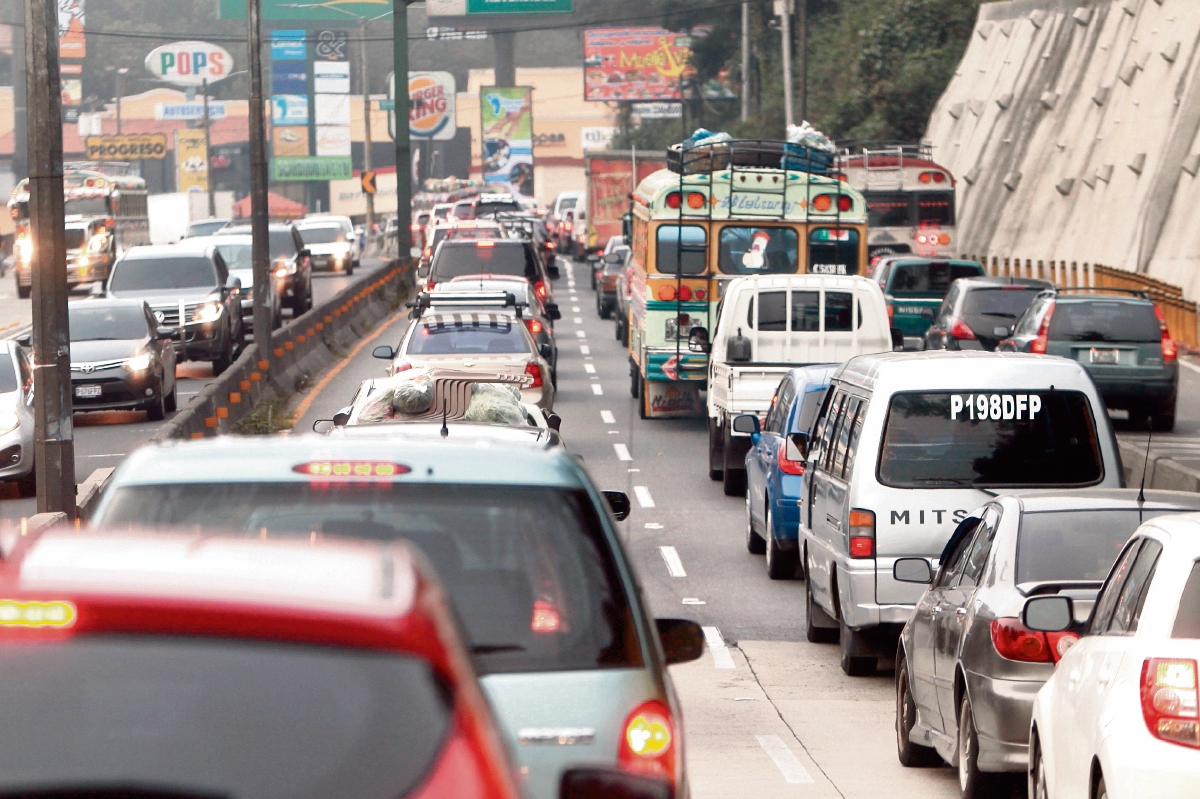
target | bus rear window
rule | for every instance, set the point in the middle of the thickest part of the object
(990, 438)
(748, 250)
(935, 208)
(682, 250)
(887, 209)
(833, 251)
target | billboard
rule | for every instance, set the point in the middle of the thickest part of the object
(189, 63)
(431, 105)
(72, 43)
(191, 160)
(311, 168)
(461, 8)
(290, 9)
(289, 141)
(507, 128)
(130, 147)
(642, 64)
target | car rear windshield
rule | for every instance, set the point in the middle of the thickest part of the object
(1187, 619)
(1101, 320)
(987, 438)
(1075, 545)
(237, 256)
(148, 274)
(985, 308)
(328, 234)
(453, 260)
(282, 243)
(485, 209)
(529, 569)
(107, 324)
(928, 279)
(206, 228)
(467, 334)
(216, 718)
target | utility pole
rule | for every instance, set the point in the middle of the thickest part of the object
(260, 249)
(20, 158)
(506, 66)
(745, 60)
(366, 90)
(120, 94)
(802, 35)
(403, 142)
(208, 176)
(54, 447)
(786, 30)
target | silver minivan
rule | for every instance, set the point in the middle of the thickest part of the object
(906, 445)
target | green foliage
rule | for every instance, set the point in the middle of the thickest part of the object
(875, 67)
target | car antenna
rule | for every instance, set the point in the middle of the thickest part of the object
(445, 429)
(1141, 500)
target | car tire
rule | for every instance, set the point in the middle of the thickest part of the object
(911, 755)
(221, 363)
(23, 292)
(755, 544)
(27, 485)
(172, 400)
(716, 463)
(308, 297)
(1037, 788)
(634, 377)
(349, 270)
(973, 783)
(1163, 422)
(643, 398)
(733, 479)
(853, 665)
(1101, 788)
(781, 563)
(814, 633)
(156, 409)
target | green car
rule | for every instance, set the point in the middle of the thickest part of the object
(526, 546)
(914, 288)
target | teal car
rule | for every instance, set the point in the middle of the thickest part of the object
(566, 652)
(914, 288)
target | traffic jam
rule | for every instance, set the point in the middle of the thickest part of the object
(462, 573)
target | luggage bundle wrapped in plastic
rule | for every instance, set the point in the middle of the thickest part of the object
(806, 150)
(495, 403)
(428, 394)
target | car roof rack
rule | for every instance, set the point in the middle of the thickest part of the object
(1139, 293)
(464, 299)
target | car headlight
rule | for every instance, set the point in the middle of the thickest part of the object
(340, 250)
(98, 243)
(285, 267)
(138, 363)
(209, 312)
(82, 260)
(9, 421)
(24, 248)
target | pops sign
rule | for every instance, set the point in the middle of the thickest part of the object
(189, 63)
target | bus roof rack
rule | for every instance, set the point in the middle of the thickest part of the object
(1140, 293)
(915, 150)
(747, 153)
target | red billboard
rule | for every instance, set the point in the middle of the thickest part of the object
(635, 63)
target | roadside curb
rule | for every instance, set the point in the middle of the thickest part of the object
(305, 345)
(1163, 470)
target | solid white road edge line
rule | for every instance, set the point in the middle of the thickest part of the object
(674, 564)
(1189, 365)
(716, 645)
(622, 452)
(793, 771)
(643, 496)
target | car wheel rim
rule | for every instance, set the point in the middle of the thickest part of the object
(902, 711)
(749, 519)
(964, 749)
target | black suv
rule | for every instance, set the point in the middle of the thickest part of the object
(189, 289)
(978, 312)
(291, 263)
(494, 257)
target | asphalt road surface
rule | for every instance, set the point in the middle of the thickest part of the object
(104, 438)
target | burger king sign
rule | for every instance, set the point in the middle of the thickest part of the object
(431, 105)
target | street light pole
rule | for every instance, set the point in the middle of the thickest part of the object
(54, 446)
(367, 143)
(259, 229)
(208, 176)
(786, 30)
(745, 60)
(120, 94)
(403, 143)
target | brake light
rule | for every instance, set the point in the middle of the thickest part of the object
(351, 469)
(891, 310)
(648, 742)
(535, 371)
(485, 243)
(700, 294)
(545, 617)
(428, 252)
(685, 293)
(1038, 345)
(786, 465)
(539, 288)
(862, 534)
(674, 200)
(1014, 641)
(845, 203)
(695, 200)
(959, 330)
(534, 326)
(1169, 350)
(1171, 700)
(402, 366)
(567, 226)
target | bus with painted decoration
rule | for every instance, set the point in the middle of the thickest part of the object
(910, 198)
(717, 213)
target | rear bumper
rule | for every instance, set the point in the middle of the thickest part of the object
(1003, 710)
(1154, 388)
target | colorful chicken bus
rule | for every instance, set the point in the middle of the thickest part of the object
(719, 212)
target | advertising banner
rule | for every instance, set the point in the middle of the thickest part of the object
(292, 169)
(640, 64)
(333, 140)
(72, 91)
(333, 109)
(289, 77)
(507, 126)
(132, 147)
(289, 45)
(189, 112)
(191, 160)
(289, 9)
(289, 142)
(331, 77)
(431, 105)
(189, 63)
(289, 109)
(331, 46)
(72, 42)
(460, 8)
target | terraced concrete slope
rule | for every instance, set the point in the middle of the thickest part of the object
(1072, 127)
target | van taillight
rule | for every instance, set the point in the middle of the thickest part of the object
(1038, 345)
(1014, 641)
(534, 371)
(862, 534)
(1171, 700)
(648, 743)
(786, 464)
(540, 288)
(959, 330)
(1169, 350)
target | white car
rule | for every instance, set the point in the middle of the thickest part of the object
(1120, 716)
(332, 242)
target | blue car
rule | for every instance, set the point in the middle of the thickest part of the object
(775, 468)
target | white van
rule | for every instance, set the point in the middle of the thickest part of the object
(767, 325)
(905, 446)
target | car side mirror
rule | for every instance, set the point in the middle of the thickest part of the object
(545, 350)
(422, 271)
(698, 340)
(552, 311)
(342, 417)
(582, 216)
(25, 341)
(323, 426)
(305, 253)
(1001, 332)
(682, 640)
(553, 421)
(747, 423)
(739, 349)
(1048, 614)
(912, 570)
(608, 783)
(593, 259)
(618, 501)
(97, 290)
(383, 352)
(166, 333)
(553, 272)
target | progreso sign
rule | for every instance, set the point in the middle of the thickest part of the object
(151, 146)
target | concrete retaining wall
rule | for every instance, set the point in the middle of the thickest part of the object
(303, 347)
(1073, 127)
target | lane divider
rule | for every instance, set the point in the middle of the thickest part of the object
(793, 770)
(622, 452)
(674, 564)
(643, 496)
(716, 646)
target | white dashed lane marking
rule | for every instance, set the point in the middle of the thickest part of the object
(581, 334)
(584, 349)
(622, 452)
(674, 564)
(793, 771)
(575, 309)
(579, 320)
(597, 390)
(716, 645)
(589, 368)
(607, 417)
(643, 496)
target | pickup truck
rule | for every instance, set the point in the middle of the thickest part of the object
(769, 324)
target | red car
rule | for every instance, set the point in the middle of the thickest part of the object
(194, 665)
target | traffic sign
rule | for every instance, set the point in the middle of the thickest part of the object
(368, 182)
(387, 105)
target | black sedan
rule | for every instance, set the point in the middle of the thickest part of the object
(978, 312)
(967, 669)
(291, 263)
(120, 358)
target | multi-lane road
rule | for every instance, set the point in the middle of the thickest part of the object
(104, 438)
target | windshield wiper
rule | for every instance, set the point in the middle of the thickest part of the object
(491, 649)
(953, 481)
(1001, 314)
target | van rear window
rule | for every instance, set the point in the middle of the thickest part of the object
(1100, 320)
(806, 312)
(1187, 619)
(988, 438)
